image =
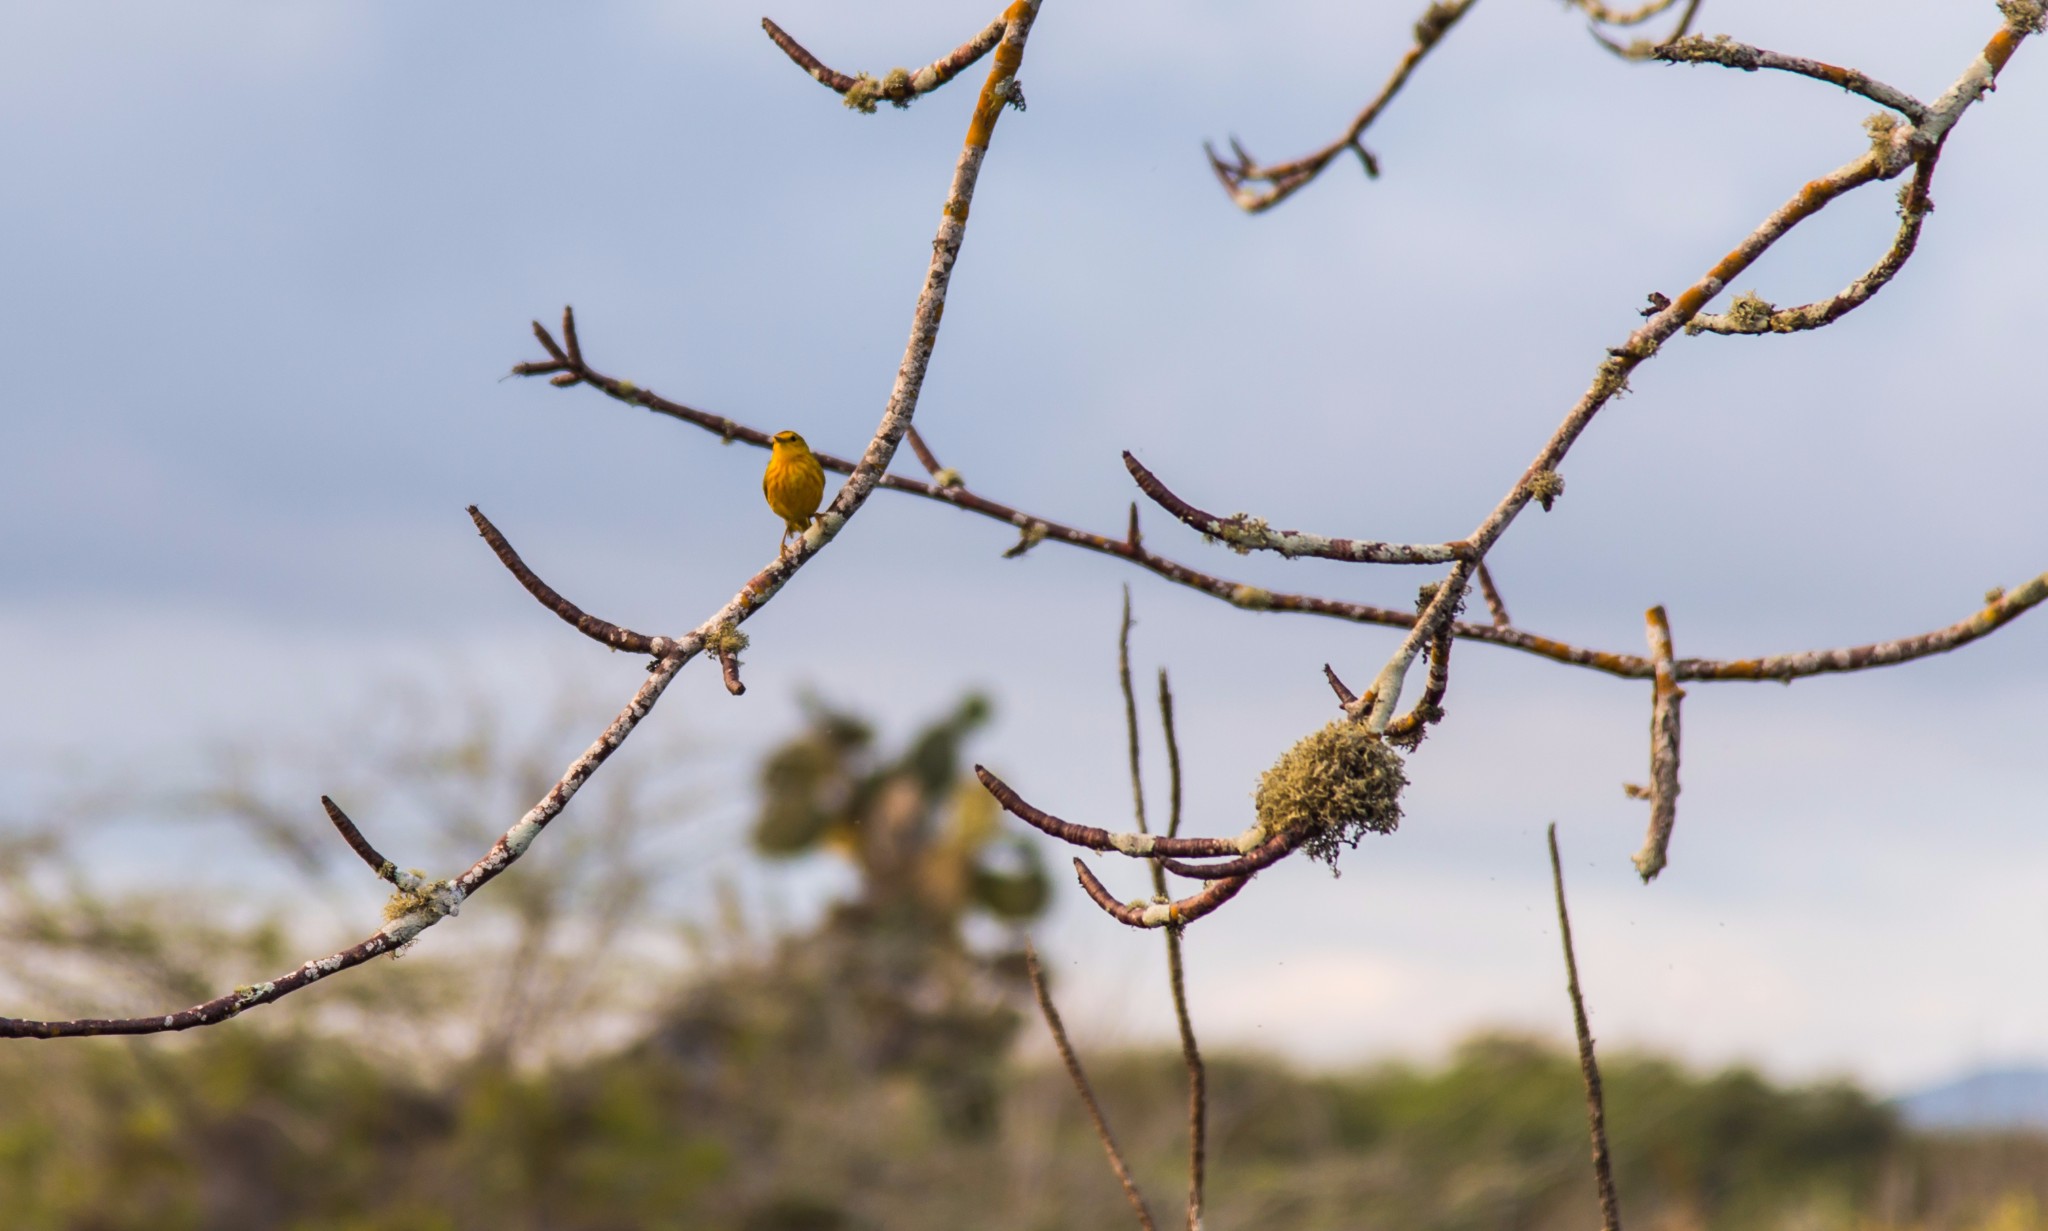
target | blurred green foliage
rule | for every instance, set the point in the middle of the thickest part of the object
(533, 1070)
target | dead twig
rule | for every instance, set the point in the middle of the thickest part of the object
(1087, 1092)
(898, 87)
(1663, 789)
(1589, 1068)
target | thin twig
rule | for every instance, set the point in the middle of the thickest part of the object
(1621, 17)
(1123, 680)
(1495, 604)
(1698, 49)
(930, 461)
(1087, 1092)
(1663, 790)
(1643, 49)
(1172, 757)
(1589, 1069)
(1136, 845)
(1244, 533)
(899, 87)
(1198, 1079)
(1158, 914)
(356, 841)
(602, 631)
(1282, 180)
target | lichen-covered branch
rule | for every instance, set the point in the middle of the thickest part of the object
(1136, 845)
(1663, 789)
(1642, 48)
(1699, 49)
(1244, 533)
(898, 87)
(1158, 914)
(1892, 150)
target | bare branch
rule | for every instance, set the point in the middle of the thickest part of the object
(1279, 181)
(1264, 855)
(1751, 315)
(1159, 914)
(1244, 533)
(1663, 792)
(425, 903)
(1136, 845)
(1123, 679)
(1606, 16)
(1172, 757)
(1087, 1092)
(1698, 49)
(1589, 1068)
(602, 631)
(1494, 603)
(1639, 49)
(899, 86)
(383, 867)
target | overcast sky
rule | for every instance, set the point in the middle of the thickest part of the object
(266, 264)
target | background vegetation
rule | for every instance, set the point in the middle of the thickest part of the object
(872, 1069)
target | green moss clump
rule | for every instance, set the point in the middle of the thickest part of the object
(1339, 784)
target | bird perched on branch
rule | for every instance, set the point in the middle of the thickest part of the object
(794, 484)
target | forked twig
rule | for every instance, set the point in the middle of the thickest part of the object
(1087, 1092)
(1278, 181)
(1589, 1068)
(899, 87)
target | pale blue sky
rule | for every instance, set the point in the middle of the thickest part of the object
(266, 263)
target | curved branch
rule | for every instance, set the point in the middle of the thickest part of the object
(1698, 49)
(1750, 315)
(1263, 856)
(1282, 180)
(1159, 914)
(383, 867)
(1245, 533)
(602, 631)
(1136, 845)
(899, 87)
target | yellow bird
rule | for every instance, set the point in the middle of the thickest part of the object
(794, 484)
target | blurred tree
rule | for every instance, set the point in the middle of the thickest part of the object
(889, 978)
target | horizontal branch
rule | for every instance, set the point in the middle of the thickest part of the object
(899, 86)
(1263, 856)
(1699, 49)
(1130, 547)
(1596, 11)
(1136, 845)
(1159, 914)
(1245, 533)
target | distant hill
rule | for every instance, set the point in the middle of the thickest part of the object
(1990, 1098)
